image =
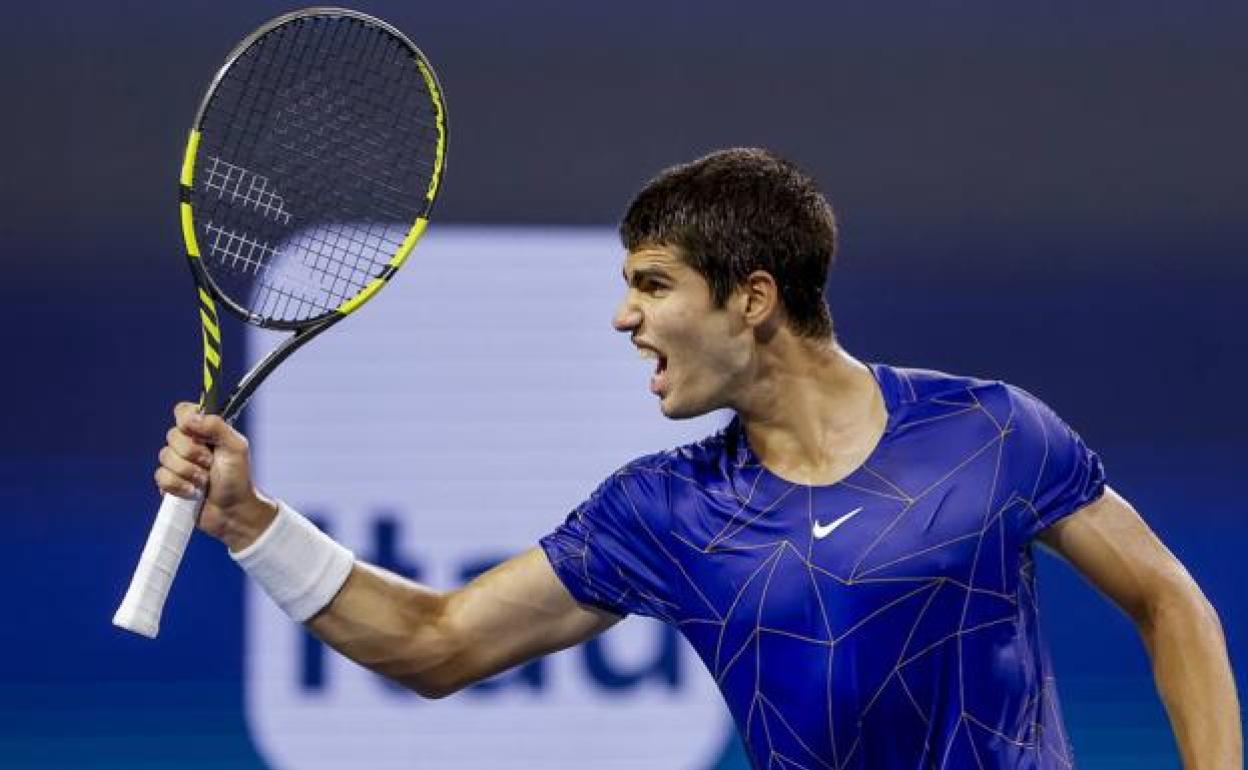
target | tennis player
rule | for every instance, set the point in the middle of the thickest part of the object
(852, 557)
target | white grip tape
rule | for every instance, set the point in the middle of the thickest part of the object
(300, 567)
(145, 599)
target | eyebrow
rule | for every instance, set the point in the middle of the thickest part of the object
(642, 273)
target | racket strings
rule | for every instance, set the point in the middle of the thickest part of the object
(237, 251)
(228, 179)
(317, 152)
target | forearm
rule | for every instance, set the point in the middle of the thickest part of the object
(1193, 674)
(432, 642)
(390, 625)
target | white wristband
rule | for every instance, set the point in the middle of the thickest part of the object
(298, 566)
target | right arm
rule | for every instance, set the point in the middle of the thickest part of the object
(436, 643)
(430, 641)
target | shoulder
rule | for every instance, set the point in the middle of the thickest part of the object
(917, 389)
(1032, 433)
(1010, 407)
(915, 386)
(1042, 462)
(647, 485)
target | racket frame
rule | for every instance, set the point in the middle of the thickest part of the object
(208, 290)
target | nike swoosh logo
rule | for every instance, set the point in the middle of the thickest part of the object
(823, 530)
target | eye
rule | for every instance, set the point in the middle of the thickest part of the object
(651, 286)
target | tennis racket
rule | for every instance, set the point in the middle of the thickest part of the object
(310, 172)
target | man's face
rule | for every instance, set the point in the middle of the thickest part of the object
(701, 352)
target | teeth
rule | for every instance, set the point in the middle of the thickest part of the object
(647, 353)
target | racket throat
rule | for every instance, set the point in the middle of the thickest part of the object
(247, 386)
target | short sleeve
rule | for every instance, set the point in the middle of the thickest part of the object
(607, 552)
(1059, 473)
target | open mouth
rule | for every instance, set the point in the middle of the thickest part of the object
(658, 382)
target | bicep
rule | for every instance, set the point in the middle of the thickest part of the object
(516, 611)
(1115, 550)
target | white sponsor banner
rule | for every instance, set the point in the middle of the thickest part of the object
(451, 423)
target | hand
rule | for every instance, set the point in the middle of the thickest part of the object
(203, 451)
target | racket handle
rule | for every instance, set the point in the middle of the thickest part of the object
(145, 599)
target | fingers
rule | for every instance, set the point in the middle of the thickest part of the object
(173, 484)
(189, 448)
(208, 428)
(201, 447)
(184, 409)
(184, 469)
(186, 458)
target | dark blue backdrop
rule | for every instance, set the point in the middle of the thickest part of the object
(1075, 175)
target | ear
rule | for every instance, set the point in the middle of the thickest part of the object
(760, 299)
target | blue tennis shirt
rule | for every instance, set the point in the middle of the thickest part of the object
(887, 621)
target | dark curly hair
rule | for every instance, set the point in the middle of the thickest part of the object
(740, 210)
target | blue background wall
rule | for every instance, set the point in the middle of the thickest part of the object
(1051, 195)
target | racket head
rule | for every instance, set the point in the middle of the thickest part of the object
(311, 168)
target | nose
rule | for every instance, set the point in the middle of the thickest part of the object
(627, 316)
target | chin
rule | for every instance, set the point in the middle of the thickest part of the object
(674, 410)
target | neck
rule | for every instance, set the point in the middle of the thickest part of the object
(814, 412)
